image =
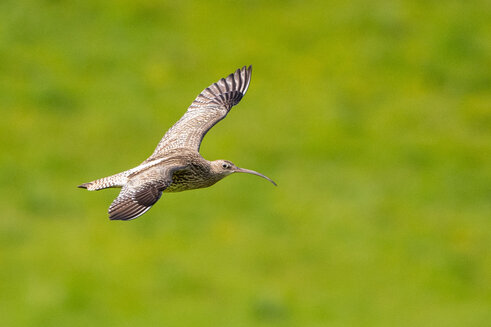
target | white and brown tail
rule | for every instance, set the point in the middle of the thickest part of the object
(118, 180)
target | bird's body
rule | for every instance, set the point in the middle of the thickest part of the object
(176, 164)
(198, 174)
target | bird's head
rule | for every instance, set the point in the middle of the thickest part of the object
(224, 168)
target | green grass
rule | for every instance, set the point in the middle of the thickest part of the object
(373, 117)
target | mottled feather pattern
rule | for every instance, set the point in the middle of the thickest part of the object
(146, 184)
(134, 201)
(176, 164)
(126, 207)
(117, 180)
(209, 107)
(192, 177)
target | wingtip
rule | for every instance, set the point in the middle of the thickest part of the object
(85, 185)
(125, 218)
(247, 73)
(245, 68)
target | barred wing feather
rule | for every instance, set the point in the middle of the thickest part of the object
(211, 106)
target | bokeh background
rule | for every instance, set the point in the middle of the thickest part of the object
(374, 117)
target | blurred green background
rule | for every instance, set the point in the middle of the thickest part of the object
(374, 117)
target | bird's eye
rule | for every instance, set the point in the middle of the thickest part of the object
(224, 165)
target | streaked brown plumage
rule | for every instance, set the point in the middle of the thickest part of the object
(176, 164)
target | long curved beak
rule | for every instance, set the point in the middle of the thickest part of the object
(248, 171)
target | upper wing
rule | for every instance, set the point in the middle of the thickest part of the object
(141, 192)
(211, 106)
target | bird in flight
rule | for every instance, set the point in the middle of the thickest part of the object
(176, 164)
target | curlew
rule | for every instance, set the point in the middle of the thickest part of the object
(176, 164)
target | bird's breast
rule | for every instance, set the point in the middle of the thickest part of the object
(193, 177)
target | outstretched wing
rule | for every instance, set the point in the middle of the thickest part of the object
(141, 193)
(131, 203)
(211, 106)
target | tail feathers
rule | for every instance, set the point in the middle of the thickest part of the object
(84, 185)
(117, 180)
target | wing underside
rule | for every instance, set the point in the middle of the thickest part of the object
(209, 107)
